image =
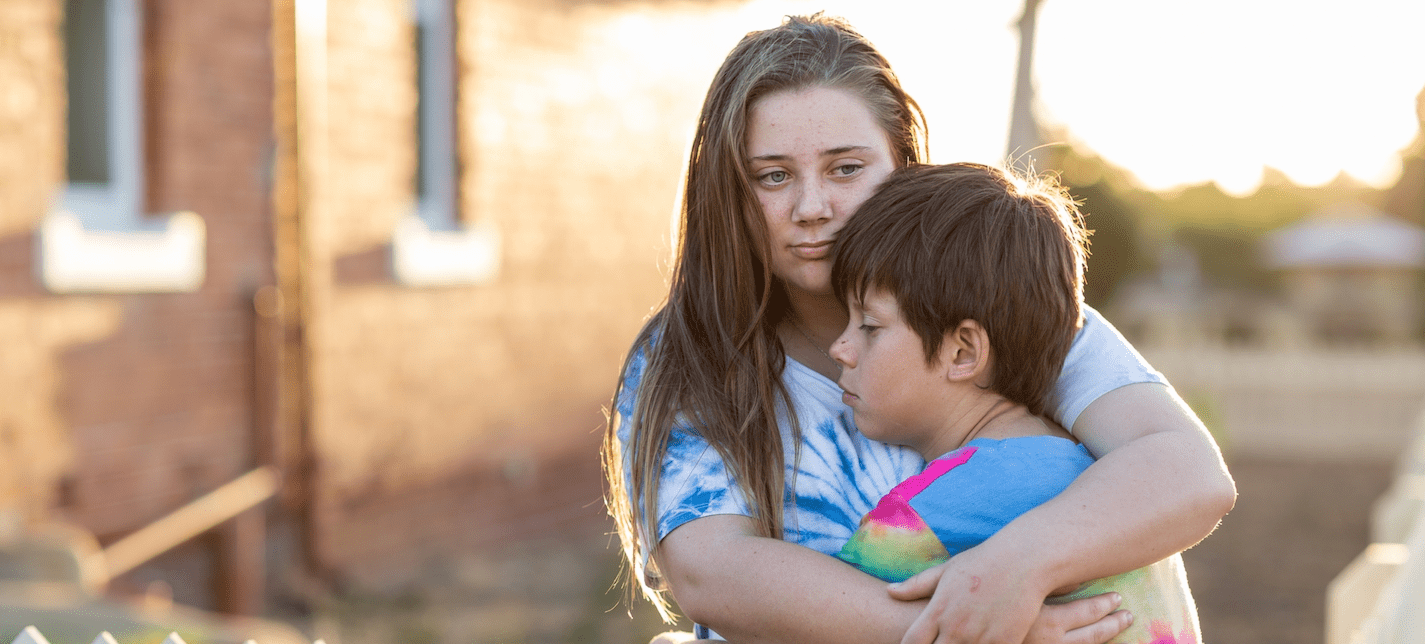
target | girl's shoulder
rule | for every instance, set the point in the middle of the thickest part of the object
(635, 362)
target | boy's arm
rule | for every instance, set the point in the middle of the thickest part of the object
(754, 589)
(1158, 487)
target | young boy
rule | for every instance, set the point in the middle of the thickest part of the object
(964, 285)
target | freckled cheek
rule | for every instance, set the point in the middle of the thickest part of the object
(774, 206)
(854, 200)
(773, 220)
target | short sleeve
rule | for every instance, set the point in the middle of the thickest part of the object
(695, 481)
(1099, 361)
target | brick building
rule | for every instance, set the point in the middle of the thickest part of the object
(395, 248)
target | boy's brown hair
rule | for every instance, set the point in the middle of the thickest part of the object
(965, 241)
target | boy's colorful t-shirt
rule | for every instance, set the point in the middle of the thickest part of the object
(962, 498)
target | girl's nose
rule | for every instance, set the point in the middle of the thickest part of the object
(812, 204)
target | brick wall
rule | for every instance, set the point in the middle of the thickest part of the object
(160, 410)
(437, 418)
(118, 409)
(34, 448)
(489, 395)
(31, 115)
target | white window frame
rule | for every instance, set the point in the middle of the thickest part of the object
(96, 239)
(430, 245)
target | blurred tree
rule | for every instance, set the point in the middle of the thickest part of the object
(1104, 198)
(1114, 253)
(1407, 198)
(1228, 257)
(1130, 223)
(1276, 202)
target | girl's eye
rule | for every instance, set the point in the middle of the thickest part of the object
(775, 177)
(868, 328)
(847, 170)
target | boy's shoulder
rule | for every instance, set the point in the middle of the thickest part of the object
(1003, 470)
(1047, 445)
(999, 480)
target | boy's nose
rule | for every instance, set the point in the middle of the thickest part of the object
(841, 351)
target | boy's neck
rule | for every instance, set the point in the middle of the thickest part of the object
(986, 415)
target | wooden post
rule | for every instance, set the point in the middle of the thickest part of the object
(242, 569)
(1024, 134)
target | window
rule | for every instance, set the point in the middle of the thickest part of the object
(97, 239)
(431, 245)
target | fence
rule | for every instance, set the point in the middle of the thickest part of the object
(1314, 404)
(55, 577)
(31, 635)
(1378, 598)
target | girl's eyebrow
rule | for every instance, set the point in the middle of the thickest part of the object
(844, 149)
(828, 153)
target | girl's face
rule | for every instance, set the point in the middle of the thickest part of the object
(814, 155)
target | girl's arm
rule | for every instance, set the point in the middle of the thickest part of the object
(1158, 487)
(753, 589)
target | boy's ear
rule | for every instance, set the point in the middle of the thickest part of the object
(965, 352)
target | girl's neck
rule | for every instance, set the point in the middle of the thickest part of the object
(809, 327)
(820, 316)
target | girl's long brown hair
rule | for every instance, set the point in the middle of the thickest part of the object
(713, 361)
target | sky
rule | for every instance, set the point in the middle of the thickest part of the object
(1176, 93)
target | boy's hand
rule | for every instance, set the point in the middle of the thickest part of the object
(994, 609)
(1092, 620)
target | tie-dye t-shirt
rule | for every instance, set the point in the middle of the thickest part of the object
(962, 498)
(839, 475)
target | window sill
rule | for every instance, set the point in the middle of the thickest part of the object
(169, 259)
(424, 257)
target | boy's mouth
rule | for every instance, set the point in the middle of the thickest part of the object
(848, 398)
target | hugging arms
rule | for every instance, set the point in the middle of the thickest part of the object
(1144, 499)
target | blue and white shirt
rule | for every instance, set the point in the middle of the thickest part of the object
(838, 475)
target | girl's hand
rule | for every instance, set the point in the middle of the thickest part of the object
(993, 609)
(676, 637)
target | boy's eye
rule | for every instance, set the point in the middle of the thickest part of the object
(868, 328)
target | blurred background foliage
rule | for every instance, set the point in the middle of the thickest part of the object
(1131, 225)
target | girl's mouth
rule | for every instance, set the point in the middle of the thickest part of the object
(813, 250)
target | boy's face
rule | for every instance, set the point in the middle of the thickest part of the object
(895, 395)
